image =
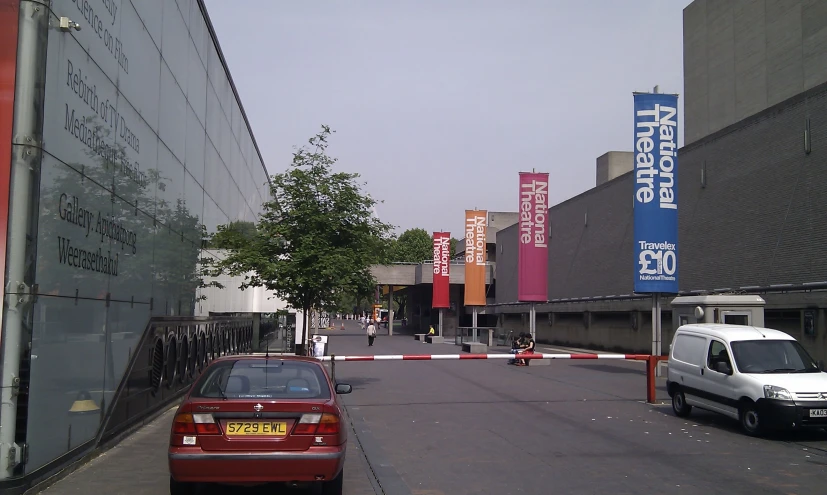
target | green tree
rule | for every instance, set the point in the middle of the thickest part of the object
(455, 243)
(413, 246)
(315, 241)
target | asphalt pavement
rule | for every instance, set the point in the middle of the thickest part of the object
(483, 427)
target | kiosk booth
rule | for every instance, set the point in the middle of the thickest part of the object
(734, 309)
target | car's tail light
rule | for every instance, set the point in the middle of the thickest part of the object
(183, 425)
(329, 425)
(195, 424)
(317, 424)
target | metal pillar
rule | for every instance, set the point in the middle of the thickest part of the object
(440, 321)
(656, 331)
(474, 317)
(27, 137)
(390, 310)
(532, 321)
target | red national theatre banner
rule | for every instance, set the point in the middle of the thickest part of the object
(442, 270)
(532, 264)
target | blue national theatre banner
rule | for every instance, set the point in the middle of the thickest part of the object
(656, 193)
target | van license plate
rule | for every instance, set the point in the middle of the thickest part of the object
(818, 413)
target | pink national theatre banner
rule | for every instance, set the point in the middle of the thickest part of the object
(532, 257)
(442, 270)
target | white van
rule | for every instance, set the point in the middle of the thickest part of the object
(763, 378)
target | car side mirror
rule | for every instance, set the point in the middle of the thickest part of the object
(343, 388)
(723, 367)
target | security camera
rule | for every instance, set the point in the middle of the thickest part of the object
(67, 24)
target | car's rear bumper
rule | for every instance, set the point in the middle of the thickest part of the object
(190, 464)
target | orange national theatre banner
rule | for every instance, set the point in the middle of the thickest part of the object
(476, 226)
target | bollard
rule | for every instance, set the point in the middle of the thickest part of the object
(651, 376)
(651, 363)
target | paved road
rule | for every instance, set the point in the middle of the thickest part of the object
(483, 427)
(456, 427)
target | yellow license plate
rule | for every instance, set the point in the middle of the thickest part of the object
(265, 428)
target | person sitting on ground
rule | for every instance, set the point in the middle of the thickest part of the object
(516, 344)
(528, 349)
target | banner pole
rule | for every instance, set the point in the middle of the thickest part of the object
(440, 322)
(474, 317)
(656, 330)
(532, 321)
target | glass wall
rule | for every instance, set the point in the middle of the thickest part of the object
(145, 147)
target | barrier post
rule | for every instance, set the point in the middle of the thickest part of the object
(651, 364)
(333, 368)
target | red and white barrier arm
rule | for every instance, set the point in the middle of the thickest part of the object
(651, 361)
(448, 357)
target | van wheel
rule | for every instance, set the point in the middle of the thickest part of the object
(679, 405)
(750, 420)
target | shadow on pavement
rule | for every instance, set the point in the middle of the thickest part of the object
(269, 489)
(815, 438)
(360, 382)
(608, 368)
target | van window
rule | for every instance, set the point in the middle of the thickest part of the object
(736, 318)
(717, 354)
(772, 356)
(689, 349)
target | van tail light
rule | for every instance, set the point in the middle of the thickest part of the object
(195, 424)
(317, 424)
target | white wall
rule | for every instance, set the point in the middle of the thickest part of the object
(231, 299)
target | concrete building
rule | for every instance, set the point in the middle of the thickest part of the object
(417, 282)
(753, 215)
(742, 57)
(752, 207)
(612, 165)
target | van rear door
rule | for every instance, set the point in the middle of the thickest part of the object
(686, 364)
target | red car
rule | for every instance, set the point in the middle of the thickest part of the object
(253, 419)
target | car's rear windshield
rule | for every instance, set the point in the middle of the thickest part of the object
(263, 379)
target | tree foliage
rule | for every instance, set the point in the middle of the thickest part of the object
(454, 245)
(317, 238)
(413, 246)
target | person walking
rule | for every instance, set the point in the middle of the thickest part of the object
(371, 333)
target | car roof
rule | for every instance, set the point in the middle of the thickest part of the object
(734, 333)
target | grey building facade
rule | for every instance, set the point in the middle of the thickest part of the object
(752, 207)
(743, 56)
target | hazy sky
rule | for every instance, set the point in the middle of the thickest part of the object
(440, 103)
